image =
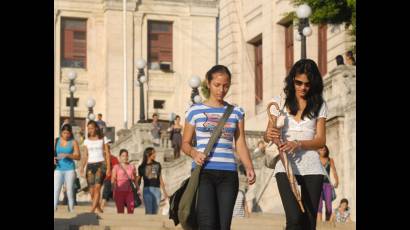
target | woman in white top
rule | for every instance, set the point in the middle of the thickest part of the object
(303, 133)
(97, 162)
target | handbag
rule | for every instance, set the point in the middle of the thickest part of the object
(77, 185)
(137, 199)
(271, 156)
(183, 202)
(55, 152)
(328, 177)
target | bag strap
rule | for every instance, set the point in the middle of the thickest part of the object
(129, 178)
(326, 174)
(327, 163)
(218, 129)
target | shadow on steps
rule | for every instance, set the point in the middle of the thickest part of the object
(75, 222)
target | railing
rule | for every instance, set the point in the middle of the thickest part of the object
(252, 138)
(165, 141)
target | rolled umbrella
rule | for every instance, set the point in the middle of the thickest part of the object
(277, 118)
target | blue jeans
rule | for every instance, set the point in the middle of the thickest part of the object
(59, 178)
(152, 197)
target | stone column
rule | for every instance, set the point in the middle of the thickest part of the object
(340, 94)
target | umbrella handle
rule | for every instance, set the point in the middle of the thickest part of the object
(283, 157)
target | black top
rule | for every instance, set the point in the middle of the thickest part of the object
(327, 167)
(176, 130)
(150, 173)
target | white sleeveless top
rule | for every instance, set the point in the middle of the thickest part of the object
(303, 162)
(95, 150)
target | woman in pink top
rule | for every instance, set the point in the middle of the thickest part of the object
(123, 194)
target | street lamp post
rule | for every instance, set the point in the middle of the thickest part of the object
(194, 82)
(90, 106)
(90, 116)
(303, 12)
(141, 80)
(72, 76)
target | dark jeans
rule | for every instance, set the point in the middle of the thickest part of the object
(107, 190)
(216, 199)
(311, 188)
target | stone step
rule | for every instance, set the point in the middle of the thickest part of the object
(93, 227)
(82, 219)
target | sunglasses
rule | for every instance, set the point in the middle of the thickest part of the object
(300, 83)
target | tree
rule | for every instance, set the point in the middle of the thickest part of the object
(204, 89)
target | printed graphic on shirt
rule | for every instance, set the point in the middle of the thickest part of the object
(211, 123)
(206, 119)
(151, 171)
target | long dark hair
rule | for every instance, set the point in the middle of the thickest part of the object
(147, 153)
(339, 60)
(97, 129)
(314, 99)
(327, 152)
(67, 127)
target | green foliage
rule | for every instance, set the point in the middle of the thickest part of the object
(328, 11)
(204, 89)
(333, 12)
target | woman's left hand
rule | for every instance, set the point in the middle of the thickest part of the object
(336, 184)
(289, 147)
(108, 173)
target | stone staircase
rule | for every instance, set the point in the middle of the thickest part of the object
(110, 220)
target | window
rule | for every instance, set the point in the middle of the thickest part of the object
(288, 46)
(160, 45)
(74, 42)
(258, 72)
(159, 104)
(75, 100)
(322, 39)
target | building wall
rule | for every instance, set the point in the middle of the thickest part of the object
(194, 52)
(241, 22)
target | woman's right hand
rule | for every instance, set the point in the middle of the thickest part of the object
(198, 157)
(272, 134)
(82, 172)
(55, 160)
